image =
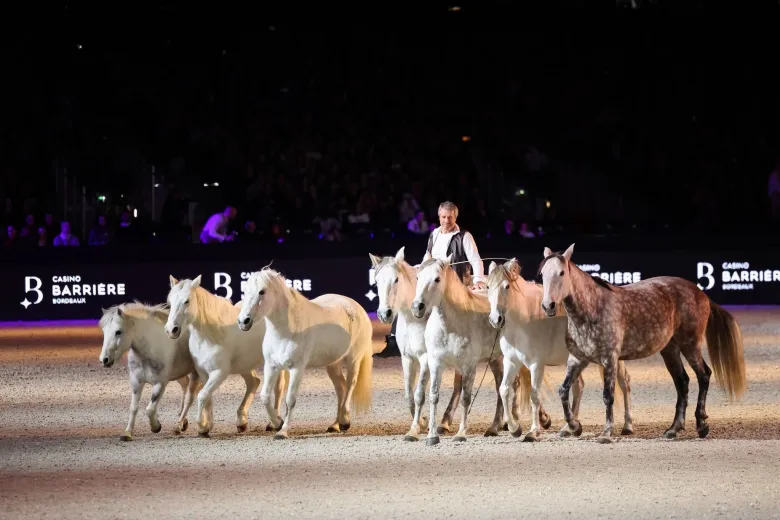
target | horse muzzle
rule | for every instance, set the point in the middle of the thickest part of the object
(385, 316)
(245, 324)
(418, 309)
(107, 363)
(549, 310)
(497, 323)
(174, 333)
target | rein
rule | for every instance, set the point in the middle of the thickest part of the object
(498, 332)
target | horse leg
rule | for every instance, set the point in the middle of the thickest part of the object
(624, 380)
(673, 361)
(435, 369)
(465, 404)
(496, 366)
(537, 377)
(507, 391)
(296, 376)
(419, 399)
(158, 389)
(280, 389)
(205, 411)
(610, 376)
(410, 368)
(183, 383)
(446, 420)
(189, 396)
(574, 368)
(340, 384)
(270, 378)
(242, 414)
(137, 388)
(703, 373)
(353, 370)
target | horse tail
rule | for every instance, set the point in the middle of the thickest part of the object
(361, 396)
(724, 343)
(523, 394)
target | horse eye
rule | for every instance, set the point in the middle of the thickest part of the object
(396, 280)
(187, 302)
(437, 280)
(560, 274)
(119, 333)
(262, 292)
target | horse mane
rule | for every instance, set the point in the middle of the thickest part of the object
(296, 320)
(135, 310)
(403, 267)
(212, 312)
(457, 293)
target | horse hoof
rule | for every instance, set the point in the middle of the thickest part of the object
(489, 433)
(184, 425)
(410, 438)
(157, 430)
(565, 434)
(627, 431)
(517, 433)
(703, 431)
(345, 427)
(280, 437)
(241, 428)
(125, 438)
(530, 438)
(670, 434)
(205, 435)
(431, 441)
(578, 431)
(604, 440)
(332, 429)
(442, 430)
(546, 422)
(459, 439)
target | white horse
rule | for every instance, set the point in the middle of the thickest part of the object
(330, 331)
(530, 339)
(457, 334)
(152, 358)
(217, 348)
(396, 282)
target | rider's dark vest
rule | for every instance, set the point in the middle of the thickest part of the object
(458, 254)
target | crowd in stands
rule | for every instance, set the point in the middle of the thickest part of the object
(359, 139)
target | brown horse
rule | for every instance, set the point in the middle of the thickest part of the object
(664, 314)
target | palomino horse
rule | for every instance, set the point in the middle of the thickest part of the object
(330, 331)
(396, 283)
(216, 347)
(664, 314)
(457, 334)
(152, 358)
(528, 339)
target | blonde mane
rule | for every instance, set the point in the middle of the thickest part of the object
(135, 310)
(212, 313)
(456, 293)
(296, 320)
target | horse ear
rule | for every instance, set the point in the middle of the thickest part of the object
(119, 312)
(567, 254)
(514, 266)
(492, 267)
(448, 260)
(427, 256)
(547, 252)
(196, 282)
(399, 256)
(374, 260)
(173, 281)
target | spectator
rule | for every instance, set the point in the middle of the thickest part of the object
(99, 235)
(249, 233)
(48, 222)
(65, 238)
(525, 231)
(126, 233)
(10, 238)
(509, 227)
(28, 234)
(408, 208)
(43, 237)
(418, 225)
(216, 228)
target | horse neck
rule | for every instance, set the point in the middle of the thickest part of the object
(141, 342)
(455, 300)
(213, 330)
(407, 287)
(585, 298)
(287, 312)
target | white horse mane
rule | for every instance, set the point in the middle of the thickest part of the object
(213, 313)
(135, 310)
(297, 321)
(456, 293)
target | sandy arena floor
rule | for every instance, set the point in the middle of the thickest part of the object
(62, 413)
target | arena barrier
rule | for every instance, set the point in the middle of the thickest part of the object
(75, 286)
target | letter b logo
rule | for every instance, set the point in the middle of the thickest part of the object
(223, 280)
(29, 287)
(704, 270)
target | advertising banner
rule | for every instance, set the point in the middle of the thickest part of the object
(60, 291)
